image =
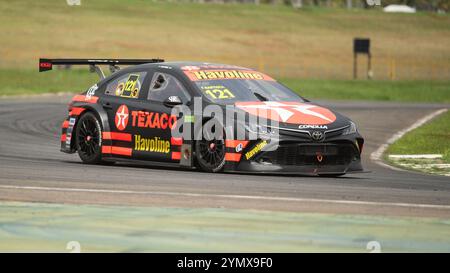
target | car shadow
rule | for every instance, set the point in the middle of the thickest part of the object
(143, 165)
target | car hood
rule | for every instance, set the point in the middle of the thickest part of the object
(295, 115)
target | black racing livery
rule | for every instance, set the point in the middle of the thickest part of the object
(129, 115)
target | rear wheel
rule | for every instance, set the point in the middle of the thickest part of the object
(210, 154)
(88, 139)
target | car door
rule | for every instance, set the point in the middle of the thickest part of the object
(123, 98)
(155, 141)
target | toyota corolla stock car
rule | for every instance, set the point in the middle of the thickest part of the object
(129, 115)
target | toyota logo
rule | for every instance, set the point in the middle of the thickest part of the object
(317, 135)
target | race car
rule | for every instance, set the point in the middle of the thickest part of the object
(157, 111)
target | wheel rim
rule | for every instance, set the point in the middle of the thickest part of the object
(88, 138)
(212, 152)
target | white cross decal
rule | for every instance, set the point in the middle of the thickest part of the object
(285, 111)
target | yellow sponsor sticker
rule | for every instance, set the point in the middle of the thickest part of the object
(201, 75)
(258, 147)
(217, 92)
(130, 88)
(155, 145)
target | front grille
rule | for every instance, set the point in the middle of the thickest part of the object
(306, 134)
(307, 154)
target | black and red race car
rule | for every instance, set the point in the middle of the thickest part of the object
(157, 111)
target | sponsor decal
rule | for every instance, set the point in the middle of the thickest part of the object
(129, 89)
(45, 65)
(67, 138)
(83, 98)
(217, 92)
(258, 147)
(155, 145)
(324, 127)
(190, 67)
(174, 99)
(201, 75)
(319, 157)
(91, 92)
(122, 117)
(239, 148)
(143, 119)
(289, 112)
(189, 119)
(157, 120)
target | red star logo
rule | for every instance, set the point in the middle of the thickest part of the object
(122, 118)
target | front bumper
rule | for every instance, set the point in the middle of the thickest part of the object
(293, 156)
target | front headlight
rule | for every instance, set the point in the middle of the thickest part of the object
(351, 129)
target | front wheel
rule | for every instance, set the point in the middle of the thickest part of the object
(210, 154)
(88, 139)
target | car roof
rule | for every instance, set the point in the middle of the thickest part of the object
(186, 65)
(178, 66)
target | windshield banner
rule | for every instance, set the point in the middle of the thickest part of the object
(203, 75)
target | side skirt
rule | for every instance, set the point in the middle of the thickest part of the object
(146, 163)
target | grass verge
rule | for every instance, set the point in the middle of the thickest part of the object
(31, 82)
(22, 81)
(403, 91)
(295, 43)
(431, 138)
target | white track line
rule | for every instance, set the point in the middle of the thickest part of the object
(242, 197)
(378, 153)
(425, 156)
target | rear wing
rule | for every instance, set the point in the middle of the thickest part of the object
(47, 64)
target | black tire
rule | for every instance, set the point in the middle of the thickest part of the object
(88, 134)
(210, 154)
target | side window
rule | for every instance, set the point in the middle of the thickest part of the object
(126, 86)
(164, 85)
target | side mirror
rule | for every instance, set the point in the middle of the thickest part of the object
(172, 101)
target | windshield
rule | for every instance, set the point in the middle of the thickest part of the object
(230, 91)
(231, 86)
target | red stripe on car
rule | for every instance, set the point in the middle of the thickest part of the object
(176, 155)
(76, 111)
(229, 143)
(83, 98)
(235, 157)
(117, 136)
(176, 141)
(116, 150)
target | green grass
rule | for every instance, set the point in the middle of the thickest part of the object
(403, 91)
(19, 82)
(304, 43)
(279, 40)
(431, 138)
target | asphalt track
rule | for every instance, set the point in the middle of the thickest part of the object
(33, 170)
